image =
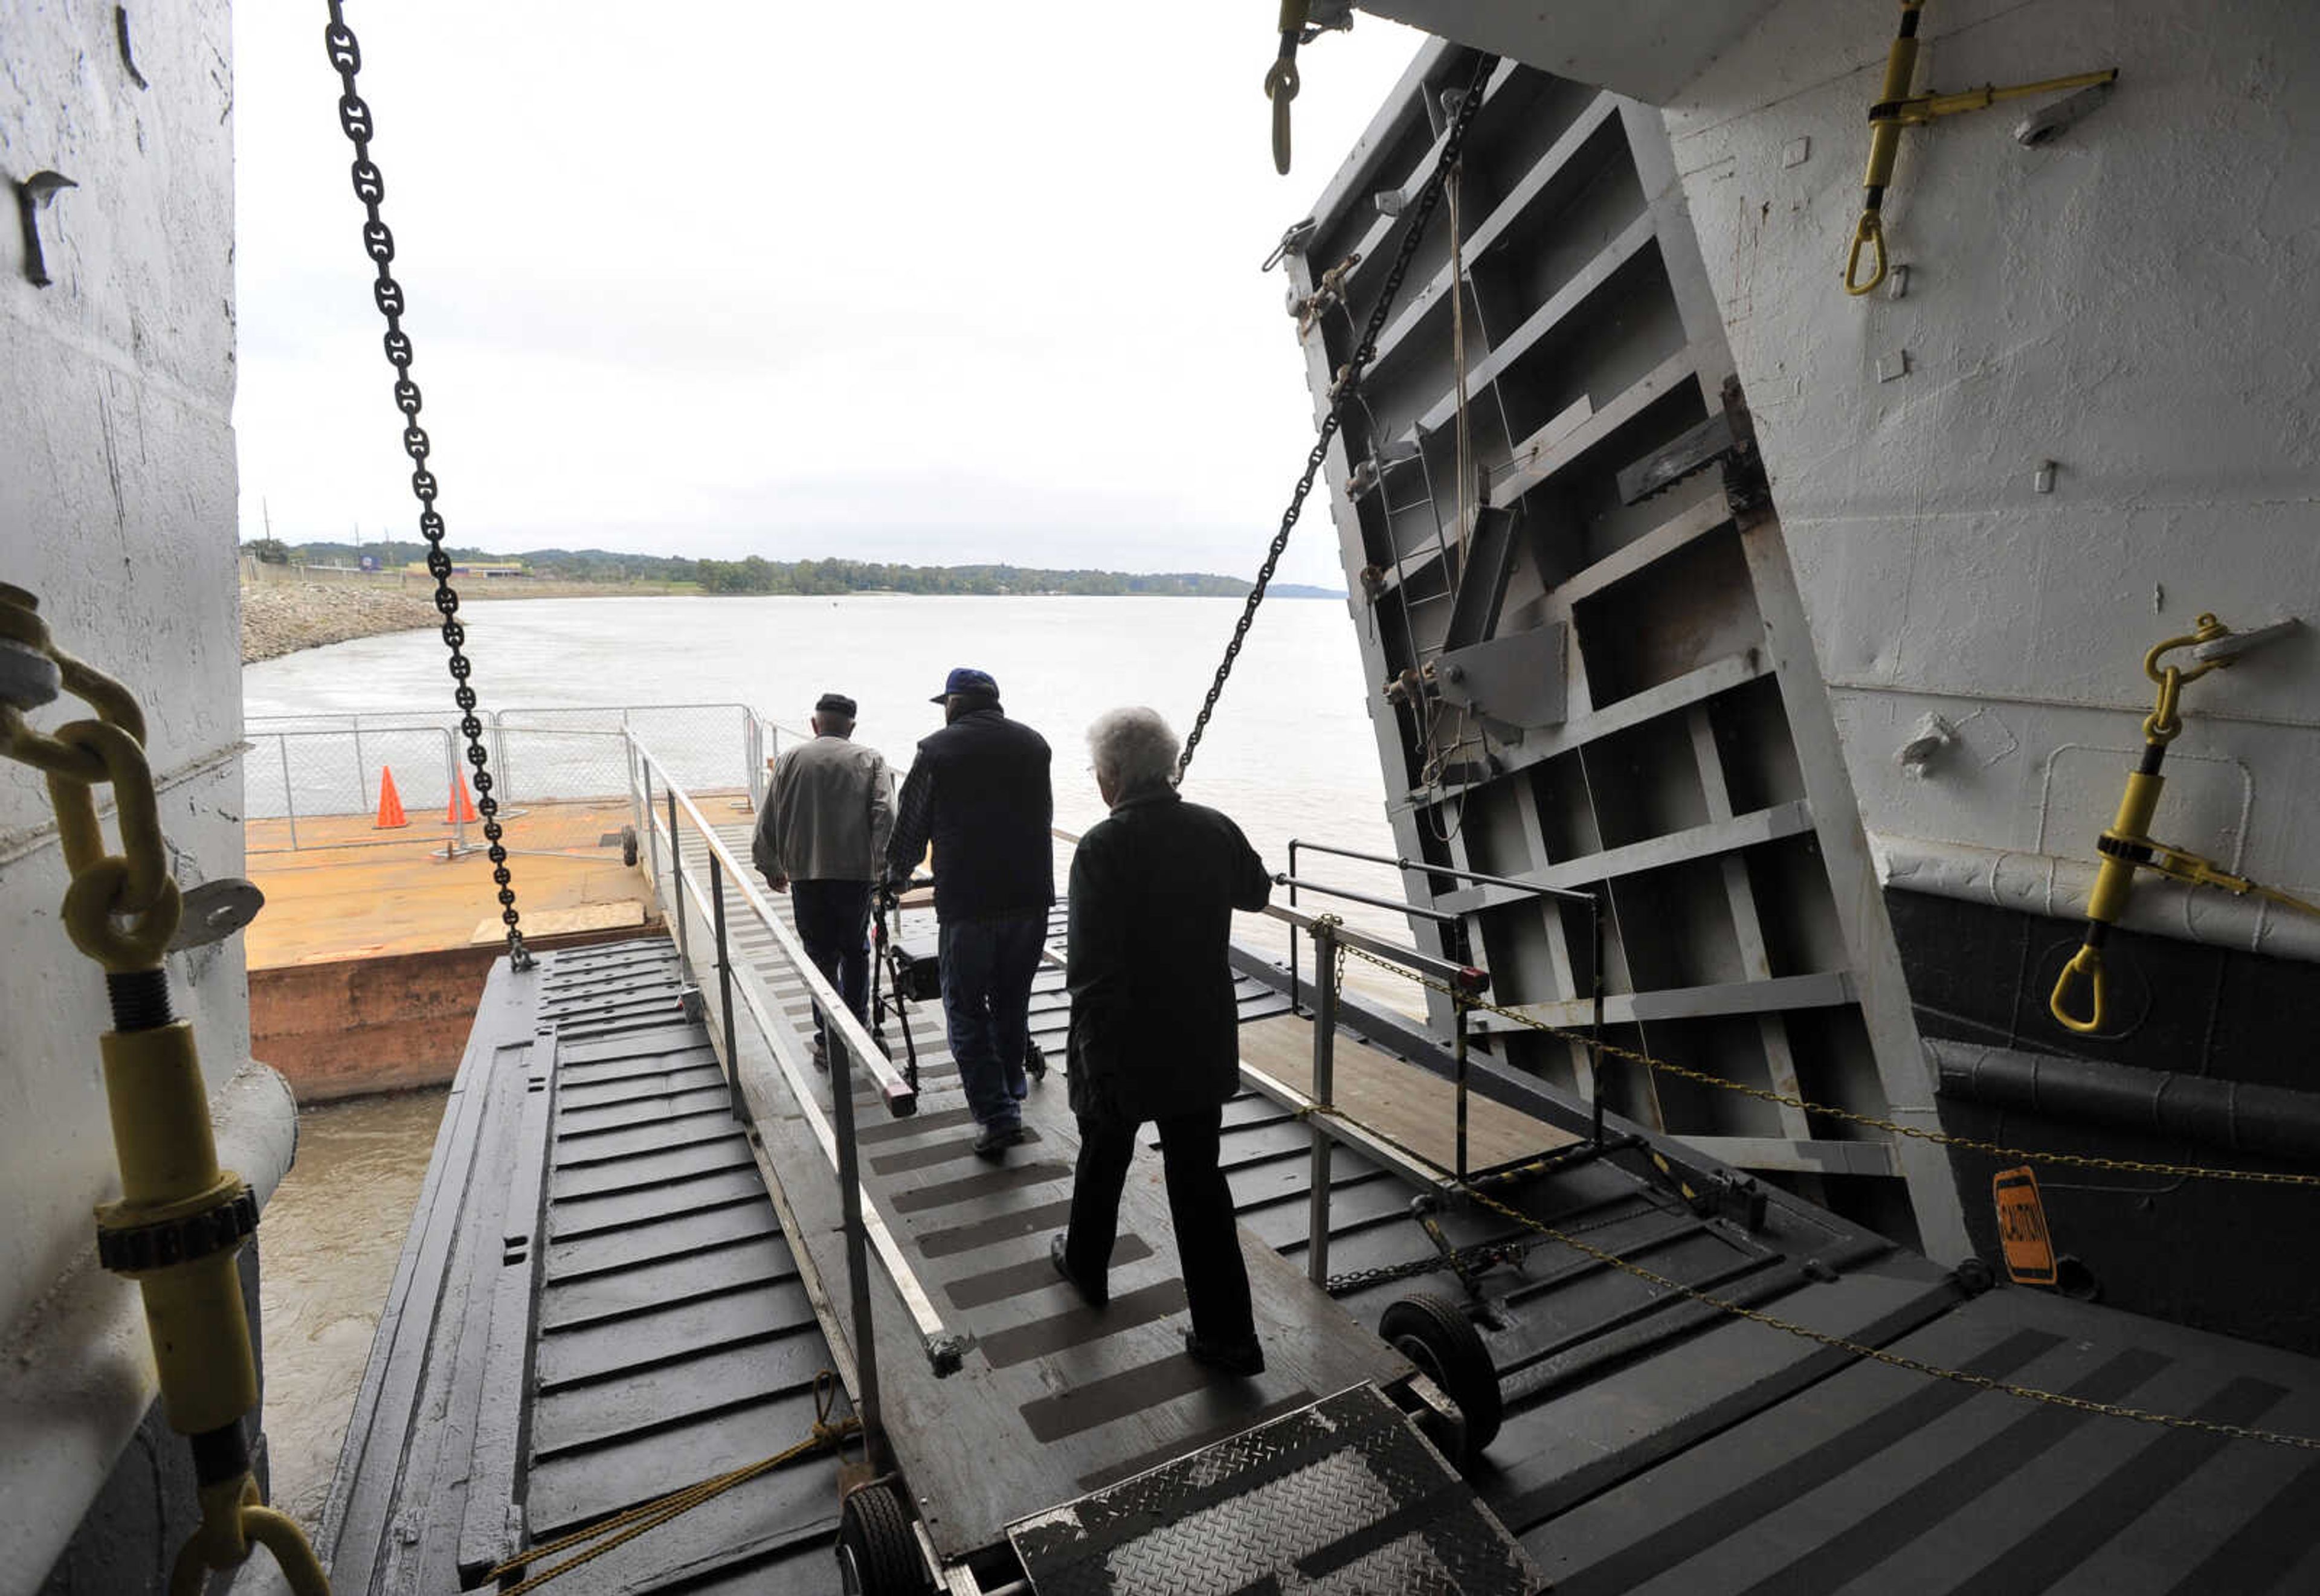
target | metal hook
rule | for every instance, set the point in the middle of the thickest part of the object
(1869, 232)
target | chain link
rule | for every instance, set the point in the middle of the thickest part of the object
(2261, 1177)
(1458, 1260)
(1341, 393)
(345, 52)
(1771, 1321)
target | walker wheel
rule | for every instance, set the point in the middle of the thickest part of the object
(877, 1551)
(1439, 1338)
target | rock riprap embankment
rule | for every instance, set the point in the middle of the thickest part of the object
(281, 618)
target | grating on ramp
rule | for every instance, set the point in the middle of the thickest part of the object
(1342, 1497)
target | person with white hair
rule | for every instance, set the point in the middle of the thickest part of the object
(1154, 1025)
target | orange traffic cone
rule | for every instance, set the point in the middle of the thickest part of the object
(389, 802)
(461, 807)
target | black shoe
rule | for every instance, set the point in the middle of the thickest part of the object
(1245, 1360)
(821, 1054)
(996, 1139)
(1095, 1295)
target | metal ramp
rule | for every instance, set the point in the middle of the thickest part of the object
(595, 1305)
(1051, 1400)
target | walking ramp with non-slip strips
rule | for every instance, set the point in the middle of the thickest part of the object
(604, 1299)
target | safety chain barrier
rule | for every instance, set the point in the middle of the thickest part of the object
(378, 242)
(625, 1526)
(1341, 392)
(1896, 1360)
(2261, 1177)
(1845, 1344)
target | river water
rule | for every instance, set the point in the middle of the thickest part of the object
(1291, 752)
(1288, 753)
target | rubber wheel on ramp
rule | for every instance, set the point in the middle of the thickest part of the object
(877, 1551)
(1439, 1338)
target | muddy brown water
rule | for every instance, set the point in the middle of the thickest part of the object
(332, 1236)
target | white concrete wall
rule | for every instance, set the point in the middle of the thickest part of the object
(117, 508)
(2135, 301)
(117, 505)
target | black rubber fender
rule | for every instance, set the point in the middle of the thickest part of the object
(1436, 1336)
(877, 1550)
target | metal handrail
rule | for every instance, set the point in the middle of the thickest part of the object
(1440, 917)
(900, 1098)
(1595, 902)
(1569, 894)
(864, 1230)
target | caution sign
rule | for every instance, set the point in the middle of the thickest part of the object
(2022, 1227)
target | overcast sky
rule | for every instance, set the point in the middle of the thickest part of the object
(978, 284)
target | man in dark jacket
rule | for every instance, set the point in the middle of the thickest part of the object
(978, 790)
(1154, 1024)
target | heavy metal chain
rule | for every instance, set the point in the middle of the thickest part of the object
(1457, 1261)
(370, 187)
(1342, 391)
(2260, 1177)
(1861, 1349)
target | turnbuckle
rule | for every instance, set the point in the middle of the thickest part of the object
(1897, 108)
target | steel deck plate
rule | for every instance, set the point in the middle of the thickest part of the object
(1343, 1497)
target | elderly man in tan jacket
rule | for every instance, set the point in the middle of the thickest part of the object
(820, 838)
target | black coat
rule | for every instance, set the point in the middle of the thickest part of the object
(978, 790)
(1154, 1020)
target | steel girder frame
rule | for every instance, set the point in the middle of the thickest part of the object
(1694, 768)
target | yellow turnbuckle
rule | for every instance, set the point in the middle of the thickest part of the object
(2126, 845)
(1897, 108)
(181, 1220)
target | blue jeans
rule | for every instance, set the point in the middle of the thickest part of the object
(987, 967)
(833, 921)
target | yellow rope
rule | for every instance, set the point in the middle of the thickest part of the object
(626, 1525)
(1973, 1144)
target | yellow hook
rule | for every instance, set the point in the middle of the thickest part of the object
(1869, 232)
(2087, 962)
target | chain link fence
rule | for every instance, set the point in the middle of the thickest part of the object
(562, 774)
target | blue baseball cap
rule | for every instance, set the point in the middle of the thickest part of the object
(967, 679)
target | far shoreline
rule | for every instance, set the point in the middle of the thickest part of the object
(288, 616)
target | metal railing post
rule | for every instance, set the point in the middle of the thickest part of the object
(858, 1261)
(1595, 1026)
(500, 759)
(1293, 1007)
(1458, 1060)
(453, 781)
(1325, 1036)
(725, 983)
(289, 792)
(645, 824)
(676, 880)
(361, 786)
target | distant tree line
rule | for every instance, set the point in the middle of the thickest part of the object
(756, 575)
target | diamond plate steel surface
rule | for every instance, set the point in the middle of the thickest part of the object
(1342, 1497)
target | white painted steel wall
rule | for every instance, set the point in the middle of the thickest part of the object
(2134, 301)
(117, 492)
